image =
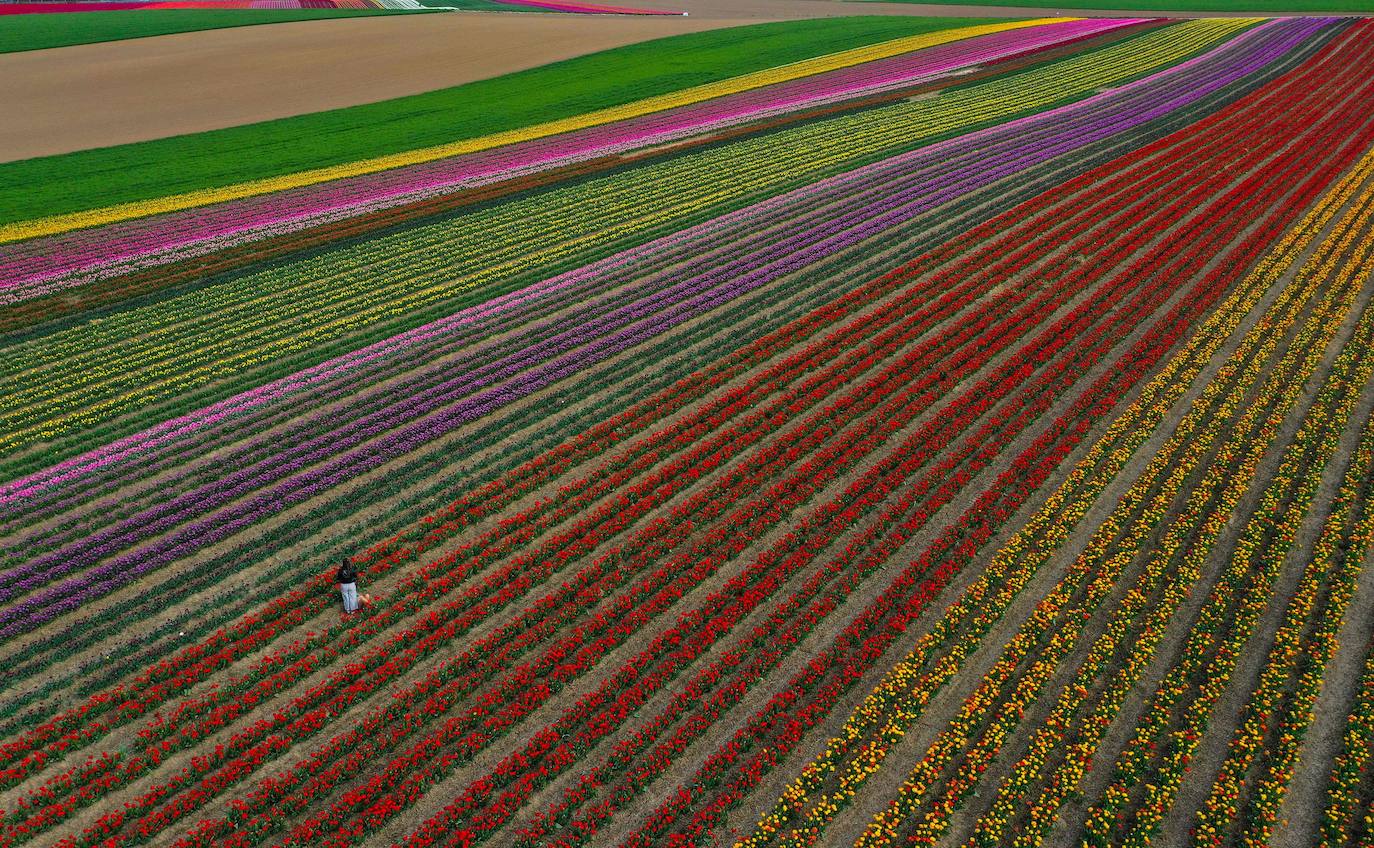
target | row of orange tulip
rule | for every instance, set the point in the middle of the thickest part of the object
(1279, 711)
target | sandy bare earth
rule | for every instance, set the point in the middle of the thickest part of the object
(95, 95)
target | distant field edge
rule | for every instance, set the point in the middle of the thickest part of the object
(68, 29)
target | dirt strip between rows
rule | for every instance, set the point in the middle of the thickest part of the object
(1301, 816)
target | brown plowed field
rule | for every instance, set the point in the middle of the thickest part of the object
(145, 88)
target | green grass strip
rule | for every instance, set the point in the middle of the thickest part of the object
(54, 185)
(64, 29)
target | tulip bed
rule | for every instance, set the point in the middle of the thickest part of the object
(961, 438)
(1029, 545)
(136, 376)
(68, 558)
(984, 705)
(1279, 712)
(85, 630)
(1349, 814)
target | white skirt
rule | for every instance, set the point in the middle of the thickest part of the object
(350, 596)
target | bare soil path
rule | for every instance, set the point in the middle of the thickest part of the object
(1301, 814)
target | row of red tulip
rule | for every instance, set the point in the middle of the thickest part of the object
(188, 776)
(1216, 283)
(793, 799)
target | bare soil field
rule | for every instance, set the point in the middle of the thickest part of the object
(145, 88)
(141, 89)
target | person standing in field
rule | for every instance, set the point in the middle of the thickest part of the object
(347, 576)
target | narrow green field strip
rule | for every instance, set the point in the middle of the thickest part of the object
(64, 29)
(55, 185)
(1274, 7)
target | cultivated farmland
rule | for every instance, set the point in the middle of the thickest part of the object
(900, 432)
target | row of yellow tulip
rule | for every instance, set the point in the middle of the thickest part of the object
(1240, 597)
(1151, 767)
(1279, 711)
(1064, 742)
(1349, 802)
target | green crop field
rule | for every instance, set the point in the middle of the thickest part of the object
(64, 29)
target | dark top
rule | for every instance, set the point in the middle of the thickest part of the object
(347, 573)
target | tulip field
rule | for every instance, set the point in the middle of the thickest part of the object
(958, 438)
